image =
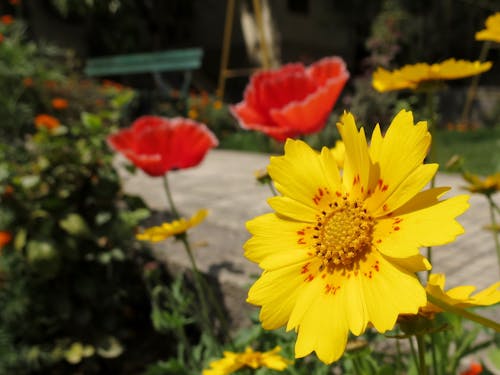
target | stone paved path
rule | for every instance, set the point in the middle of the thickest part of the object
(225, 184)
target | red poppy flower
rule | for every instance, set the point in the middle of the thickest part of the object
(158, 145)
(475, 368)
(5, 238)
(292, 100)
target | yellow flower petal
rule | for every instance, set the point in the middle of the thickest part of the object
(338, 153)
(460, 296)
(410, 143)
(492, 31)
(410, 76)
(263, 245)
(249, 358)
(403, 192)
(488, 185)
(166, 230)
(357, 162)
(302, 163)
(324, 329)
(400, 290)
(424, 221)
(292, 208)
(277, 303)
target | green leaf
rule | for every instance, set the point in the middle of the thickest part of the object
(44, 258)
(103, 217)
(170, 367)
(38, 251)
(20, 239)
(75, 225)
(91, 121)
(29, 181)
(122, 99)
(494, 357)
(132, 218)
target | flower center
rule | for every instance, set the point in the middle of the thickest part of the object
(345, 234)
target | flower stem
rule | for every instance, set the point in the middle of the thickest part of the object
(434, 357)
(495, 206)
(421, 354)
(429, 258)
(413, 352)
(199, 283)
(169, 197)
(273, 189)
(464, 313)
(471, 93)
(494, 224)
(398, 356)
(432, 152)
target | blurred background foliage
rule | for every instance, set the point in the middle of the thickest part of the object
(73, 294)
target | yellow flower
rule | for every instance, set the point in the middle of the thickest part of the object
(193, 114)
(217, 104)
(235, 361)
(341, 251)
(176, 227)
(410, 76)
(338, 153)
(492, 31)
(488, 185)
(459, 296)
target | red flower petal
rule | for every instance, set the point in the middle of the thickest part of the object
(291, 100)
(158, 145)
(309, 115)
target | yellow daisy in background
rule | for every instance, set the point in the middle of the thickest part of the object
(492, 31)
(411, 76)
(174, 228)
(488, 185)
(459, 296)
(338, 153)
(234, 361)
(340, 252)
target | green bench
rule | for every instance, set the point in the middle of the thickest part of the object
(155, 63)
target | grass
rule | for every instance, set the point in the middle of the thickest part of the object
(480, 149)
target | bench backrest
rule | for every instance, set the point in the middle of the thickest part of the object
(152, 62)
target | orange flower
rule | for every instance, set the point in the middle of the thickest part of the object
(5, 238)
(6, 19)
(28, 82)
(106, 83)
(59, 103)
(15, 2)
(50, 84)
(46, 121)
(8, 191)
